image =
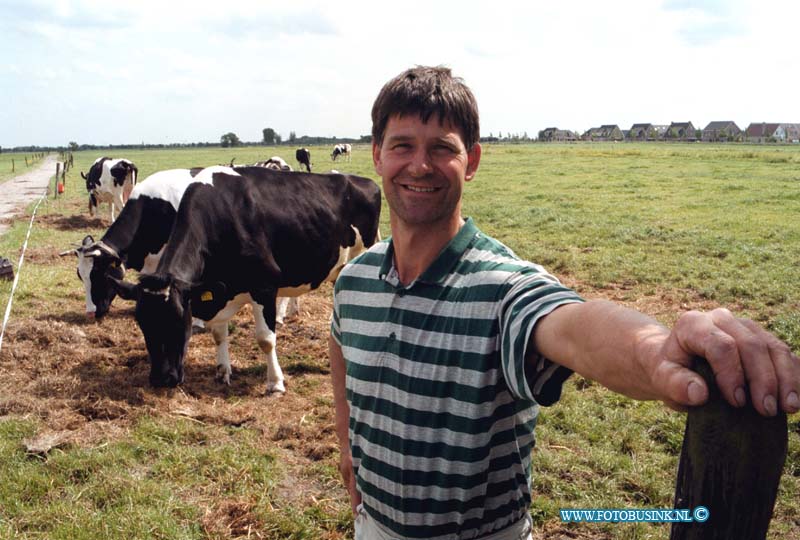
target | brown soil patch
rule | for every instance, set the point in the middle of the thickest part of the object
(76, 222)
(87, 383)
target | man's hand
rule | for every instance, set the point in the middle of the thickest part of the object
(741, 354)
(346, 470)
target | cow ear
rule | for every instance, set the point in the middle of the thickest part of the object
(125, 290)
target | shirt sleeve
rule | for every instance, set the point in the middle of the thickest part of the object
(532, 294)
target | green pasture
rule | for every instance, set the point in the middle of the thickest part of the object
(659, 225)
(18, 164)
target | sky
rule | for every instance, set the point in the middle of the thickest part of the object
(162, 72)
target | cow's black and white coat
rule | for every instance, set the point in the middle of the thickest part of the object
(342, 150)
(135, 239)
(110, 180)
(303, 157)
(276, 163)
(248, 234)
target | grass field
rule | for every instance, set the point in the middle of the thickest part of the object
(662, 228)
(18, 164)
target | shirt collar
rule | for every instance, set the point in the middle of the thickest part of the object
(444, 262)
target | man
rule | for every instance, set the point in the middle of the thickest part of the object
(443, 343)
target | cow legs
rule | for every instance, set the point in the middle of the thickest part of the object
(220, 332)
(117, 201)
(286, 308)
(265, 336)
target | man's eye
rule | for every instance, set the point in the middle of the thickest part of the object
(443, 149)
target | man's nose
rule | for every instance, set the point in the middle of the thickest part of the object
(420, 164)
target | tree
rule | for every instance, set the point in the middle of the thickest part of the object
(270, 136)
(73, 146)
(229, 139)
(292, 136)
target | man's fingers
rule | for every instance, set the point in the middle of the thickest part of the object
(756, 360)
(682, 386)
(786, 365)
(696, 334)
(738, 350)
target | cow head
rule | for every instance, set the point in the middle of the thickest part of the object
(96, 264)
(163, 315)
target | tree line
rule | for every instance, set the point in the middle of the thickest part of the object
(272, 138)
(269, 138)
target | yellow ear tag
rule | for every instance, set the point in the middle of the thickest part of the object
(206, 296)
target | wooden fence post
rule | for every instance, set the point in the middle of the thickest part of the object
(58, 173)
(12, 165)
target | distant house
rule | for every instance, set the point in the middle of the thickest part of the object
(724, 131)
(760, 132)
(680, 131)
(552, 134)
(642, 132)
(788, 133)
(608, 132)
(660, 130)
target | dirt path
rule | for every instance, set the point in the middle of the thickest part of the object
(24, 189)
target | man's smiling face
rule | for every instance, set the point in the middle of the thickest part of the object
(424, 167)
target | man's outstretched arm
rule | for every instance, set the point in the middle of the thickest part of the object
(633, 354)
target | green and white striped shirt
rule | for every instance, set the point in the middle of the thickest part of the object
(442, 402)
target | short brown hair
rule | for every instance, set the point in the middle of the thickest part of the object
(425, 91)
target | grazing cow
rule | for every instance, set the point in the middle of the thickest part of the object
(134, 240)
(248, 240)
(342, 150)
(275, 163)
(303, 157)
(110, 180)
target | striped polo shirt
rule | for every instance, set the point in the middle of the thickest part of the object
(442, 402)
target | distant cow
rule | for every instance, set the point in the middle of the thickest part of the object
(248, 235)
(303, 157)
(341, 150)
(275, 163)
(110, 180)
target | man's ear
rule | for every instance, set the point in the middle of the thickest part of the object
(473, 160)
(125, 290)
(376, 158)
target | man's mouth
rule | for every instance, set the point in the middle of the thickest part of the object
(418, 189)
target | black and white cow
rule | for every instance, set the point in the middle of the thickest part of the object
(342, 150)
(303, 157)
(248, 235)
(110, 180)
(275, 163)
(134, 240)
